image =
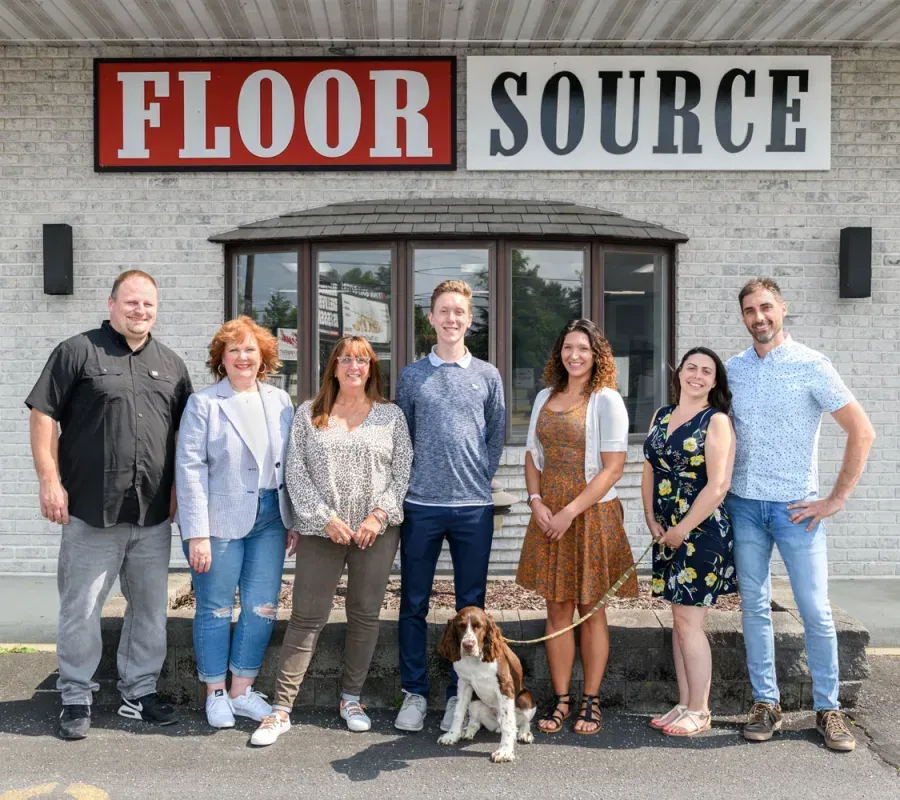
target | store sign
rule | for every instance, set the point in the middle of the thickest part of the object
(648, 113)
(364, 317)
(287, 344)
(302, 113)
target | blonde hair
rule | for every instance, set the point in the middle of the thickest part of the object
(446, 287)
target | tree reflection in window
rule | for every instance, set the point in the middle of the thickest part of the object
(547, 292)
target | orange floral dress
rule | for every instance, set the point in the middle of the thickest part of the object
(594, 552)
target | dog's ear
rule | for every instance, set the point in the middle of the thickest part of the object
(492, 648)
(450, 645)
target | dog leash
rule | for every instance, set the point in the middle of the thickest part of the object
(611, 592)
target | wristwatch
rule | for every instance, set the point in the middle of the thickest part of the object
(532, 498)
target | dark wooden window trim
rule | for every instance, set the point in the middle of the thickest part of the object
(402, 264)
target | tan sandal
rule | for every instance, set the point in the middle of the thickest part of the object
(692, 717)
(675, 712)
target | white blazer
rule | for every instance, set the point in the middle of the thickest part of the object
(216, 474)
(606, 431)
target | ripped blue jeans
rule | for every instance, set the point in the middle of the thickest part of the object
(253, 564)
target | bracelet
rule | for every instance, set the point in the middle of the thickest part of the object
(382, 517)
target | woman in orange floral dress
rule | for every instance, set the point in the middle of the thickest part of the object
(575, 547)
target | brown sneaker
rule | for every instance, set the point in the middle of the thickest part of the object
(837, 735)
(765, 719)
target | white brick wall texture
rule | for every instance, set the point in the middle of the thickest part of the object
(740, 224)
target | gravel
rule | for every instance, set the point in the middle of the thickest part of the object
(502, 595)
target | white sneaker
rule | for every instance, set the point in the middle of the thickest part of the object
(355, 715)
(219, 712)
(412, 713)
(269, 730)
(447, 721)
(251, 704)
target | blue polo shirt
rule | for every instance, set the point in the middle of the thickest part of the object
(777, 409)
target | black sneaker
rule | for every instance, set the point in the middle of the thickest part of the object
(765, 719)
(148, 708)
(74, 722)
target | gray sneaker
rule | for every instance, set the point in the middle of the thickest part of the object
(412, 713)
(447, 721)
(837, 735)
(765, 719)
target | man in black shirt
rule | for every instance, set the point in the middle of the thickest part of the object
(104, 414)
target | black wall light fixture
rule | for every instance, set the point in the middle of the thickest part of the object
(58, 275)
(856, 262)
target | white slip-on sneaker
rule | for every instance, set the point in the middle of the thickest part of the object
(412, 713)
(447, 721)
(219, 712)
(269, 730)
(251, 704)
(355, 715)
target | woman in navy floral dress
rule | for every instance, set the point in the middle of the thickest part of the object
(689, 456)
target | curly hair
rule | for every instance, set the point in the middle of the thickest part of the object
(235, 331)
(603, 371)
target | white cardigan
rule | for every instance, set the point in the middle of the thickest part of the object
(606, 431)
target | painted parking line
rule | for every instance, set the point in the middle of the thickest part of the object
(26, 646)
(883, 651)
(76, 791)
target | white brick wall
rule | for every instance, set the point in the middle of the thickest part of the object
(741, 224)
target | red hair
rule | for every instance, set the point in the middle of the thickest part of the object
(234, 332)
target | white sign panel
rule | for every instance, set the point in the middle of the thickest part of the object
(648, 113)
(364, 317)
(287, 344)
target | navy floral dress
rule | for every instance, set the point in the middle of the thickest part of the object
(703, 567)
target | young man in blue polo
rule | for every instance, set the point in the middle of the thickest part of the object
(454, 407)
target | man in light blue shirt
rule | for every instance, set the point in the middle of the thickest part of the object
(780, 389)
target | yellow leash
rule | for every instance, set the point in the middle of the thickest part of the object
(600, 603)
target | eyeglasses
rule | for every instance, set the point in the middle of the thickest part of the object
(360, 361)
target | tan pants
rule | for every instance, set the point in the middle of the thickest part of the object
(320, 563)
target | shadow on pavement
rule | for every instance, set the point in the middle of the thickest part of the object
(620, 732)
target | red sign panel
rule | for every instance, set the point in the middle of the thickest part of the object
(298, 114)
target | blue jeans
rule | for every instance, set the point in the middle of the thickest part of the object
(470, 532)
(254, 563)
(758, 524)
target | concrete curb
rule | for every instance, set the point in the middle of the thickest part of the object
(640, 676)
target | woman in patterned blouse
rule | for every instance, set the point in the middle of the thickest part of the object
(347, 472)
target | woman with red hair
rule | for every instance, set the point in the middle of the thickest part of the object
(233, 512)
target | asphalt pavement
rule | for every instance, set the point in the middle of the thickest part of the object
(320, 758)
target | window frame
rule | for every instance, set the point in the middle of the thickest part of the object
(499, 304)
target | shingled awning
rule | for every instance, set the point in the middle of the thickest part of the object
(451, 217)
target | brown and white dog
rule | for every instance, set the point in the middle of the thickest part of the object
(492, 672)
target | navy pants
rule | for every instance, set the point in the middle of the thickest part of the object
(469, 531)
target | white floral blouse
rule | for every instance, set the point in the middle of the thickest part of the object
(332, 471)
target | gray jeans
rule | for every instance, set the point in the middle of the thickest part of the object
(90, 559)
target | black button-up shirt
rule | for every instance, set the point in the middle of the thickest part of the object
(118, 411)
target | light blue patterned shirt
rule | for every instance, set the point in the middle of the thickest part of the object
(777, 410)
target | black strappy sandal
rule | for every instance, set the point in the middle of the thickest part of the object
(556, 716)
(587, 714)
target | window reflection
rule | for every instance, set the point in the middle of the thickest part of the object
(355, 299)
(635, 325)
(266, 286)
(547, 292)
(435, 265)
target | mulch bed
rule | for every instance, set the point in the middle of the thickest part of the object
(502, 595)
